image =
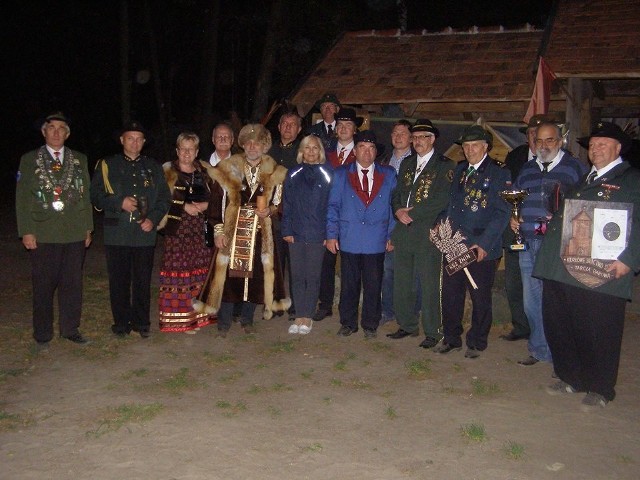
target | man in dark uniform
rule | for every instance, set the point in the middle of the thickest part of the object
(584, 323)
(285, 153)
(55, 222)
(329, 106)
(420, 197)
(478, 211)
(131, 190)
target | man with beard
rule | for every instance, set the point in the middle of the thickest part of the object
(546, 179)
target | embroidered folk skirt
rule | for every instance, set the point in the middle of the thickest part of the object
(183, 272)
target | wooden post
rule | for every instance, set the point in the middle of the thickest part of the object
(578, 114)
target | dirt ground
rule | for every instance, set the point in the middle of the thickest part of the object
(275, 406)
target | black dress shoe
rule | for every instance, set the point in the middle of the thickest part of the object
(528, 361)
(321, 314)
(400, 333)
(512, 337)
(77, 338)
(346, 331)
(143, 331)
(428, 342)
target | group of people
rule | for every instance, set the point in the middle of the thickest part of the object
(237, 225)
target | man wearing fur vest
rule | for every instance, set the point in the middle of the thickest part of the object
(245, 269)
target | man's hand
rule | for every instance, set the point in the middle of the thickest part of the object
(514, 224)
(288, 238)
(220, 241)
(264, 213)
(333, 245)
(618, 268)
(402, 214)
(29, 241)
(146, 225)
(481, 253)
(130, 204)
(87, 239)
(389, 247)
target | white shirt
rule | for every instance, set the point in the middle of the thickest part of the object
(531, 155)
(421, 163)
(215, 159)
(605, 169)
(346, 148)
(369, 175)
(552, 163)
(52, 151)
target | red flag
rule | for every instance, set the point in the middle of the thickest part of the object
(539, 103)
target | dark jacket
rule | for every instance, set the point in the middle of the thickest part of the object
(476, 208)
(621, 184)
(305, 198)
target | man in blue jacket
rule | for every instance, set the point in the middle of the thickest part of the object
(359, 224)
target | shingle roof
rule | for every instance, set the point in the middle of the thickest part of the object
(376, 67)
(596, 39)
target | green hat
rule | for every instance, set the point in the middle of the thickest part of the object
(473, 133)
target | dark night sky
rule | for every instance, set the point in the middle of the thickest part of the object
(64, 55)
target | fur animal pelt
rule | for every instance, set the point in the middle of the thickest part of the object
(230, 174)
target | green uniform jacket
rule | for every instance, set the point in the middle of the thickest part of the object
(34, 198)
(143, 177)
(428, 195)
(626, 188)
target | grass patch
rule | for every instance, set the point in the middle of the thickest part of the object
(625, 459)
(481, 388)
(11, 421)
(217, 360)
(419, 368)
(390, 412)
(229, 409)
(280, 346)
(117, 417)
(180, 381)
(340, 366)
(255, 389)
(262, 366)
(139, 372)
(336, 382)
(360, 384)
(327, 400)
(274, 411)
(314, 447)
(513, 450)
(306, 374)
(10, 372)
(281, 387)
(378, 346)
(474, 431)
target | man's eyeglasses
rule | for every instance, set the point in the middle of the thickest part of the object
(547, 141)
(420, 137)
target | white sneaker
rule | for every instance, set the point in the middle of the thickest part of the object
(293, 328)
(306, 326)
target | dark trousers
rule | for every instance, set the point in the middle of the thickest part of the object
(513, 287)
(56, 266)
(129, 271)
(306, 264)
(584, 332)
(454, 288)
(327, 281)
(361, 273)
(247, 309)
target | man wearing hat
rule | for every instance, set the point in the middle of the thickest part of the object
(359, 225)
(481, 215)
(340, 152)
(131, 190)
(420, 197)
(329, 106)
(583, 324)
(515, 160)
(55, 222)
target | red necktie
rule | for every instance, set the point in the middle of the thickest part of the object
(341, 156)
(365, 183)
(57, 164)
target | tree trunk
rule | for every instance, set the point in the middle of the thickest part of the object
(208, 74)
(157, 84)
(125, 80)
(267, 66)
